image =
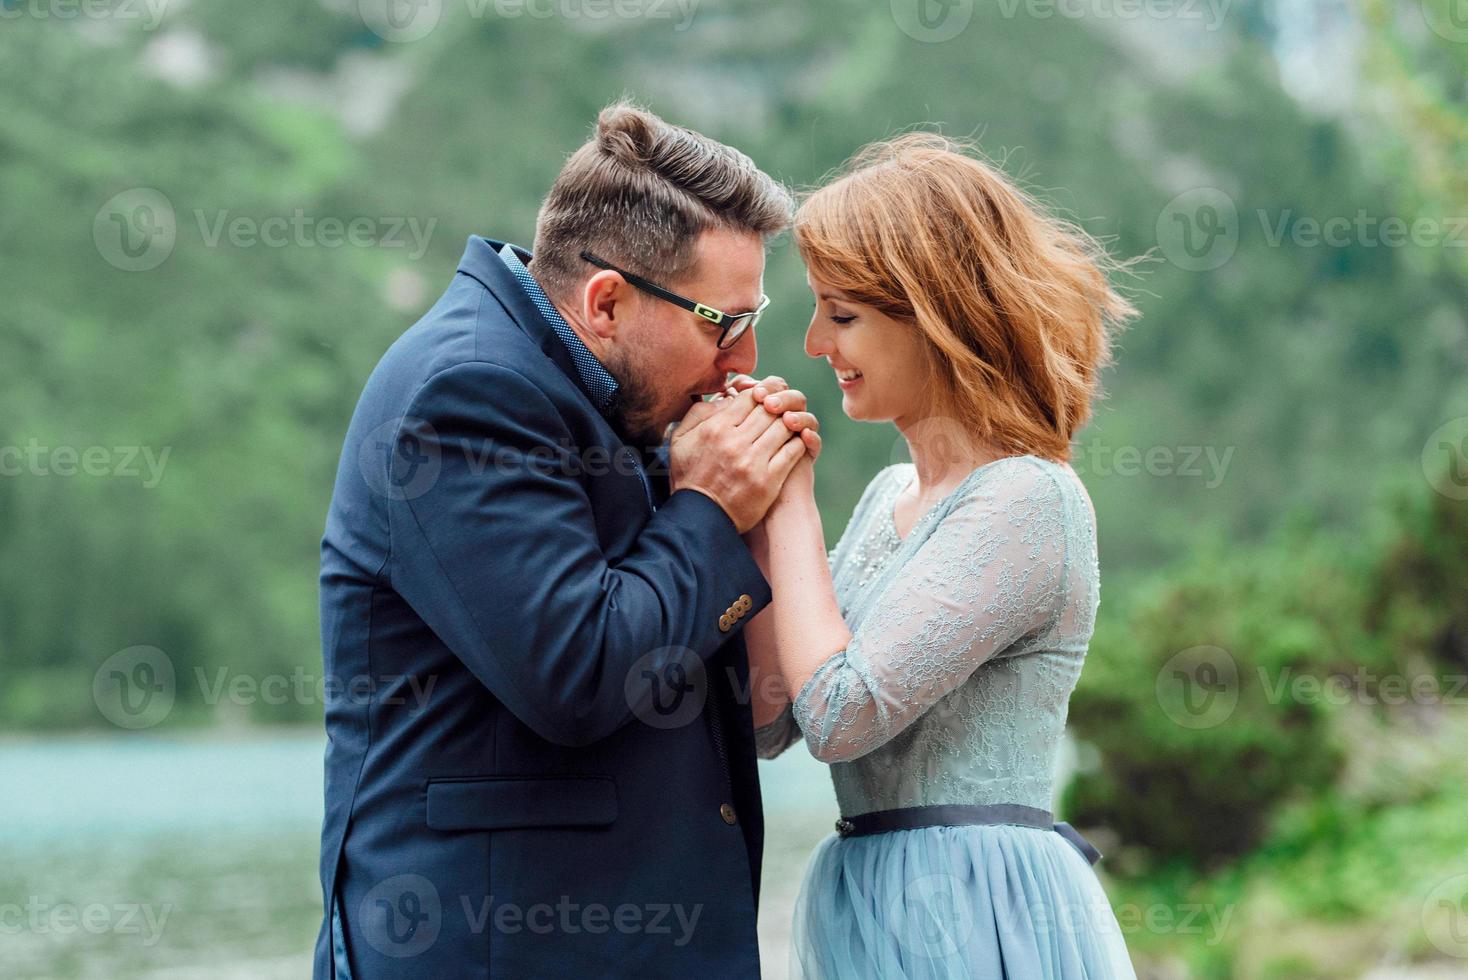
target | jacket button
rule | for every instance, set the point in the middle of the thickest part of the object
(726, 810)
(724, 623)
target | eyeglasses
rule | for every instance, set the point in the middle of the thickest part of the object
(732, 326)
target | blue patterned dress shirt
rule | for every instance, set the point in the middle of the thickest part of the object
(598, 381)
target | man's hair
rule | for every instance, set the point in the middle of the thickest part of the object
(640, 193)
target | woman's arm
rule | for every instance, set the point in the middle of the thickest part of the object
(770, 698)
(802, 627)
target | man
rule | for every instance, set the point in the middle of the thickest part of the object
(541, 761)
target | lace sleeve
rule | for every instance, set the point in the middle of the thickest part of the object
(989, 575)
(772, 739)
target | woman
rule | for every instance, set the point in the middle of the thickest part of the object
(929, 658)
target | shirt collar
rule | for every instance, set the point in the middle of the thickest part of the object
(594, 375)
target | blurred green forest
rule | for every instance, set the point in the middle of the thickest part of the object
(1279, 469)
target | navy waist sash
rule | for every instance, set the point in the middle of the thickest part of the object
(963, 815)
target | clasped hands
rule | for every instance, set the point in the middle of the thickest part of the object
(742, 447)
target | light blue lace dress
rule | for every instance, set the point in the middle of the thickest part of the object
(968, 637)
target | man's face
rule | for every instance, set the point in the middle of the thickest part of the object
(666, 355)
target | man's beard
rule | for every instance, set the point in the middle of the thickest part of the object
(634, 409)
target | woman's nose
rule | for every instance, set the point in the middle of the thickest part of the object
(817, 339)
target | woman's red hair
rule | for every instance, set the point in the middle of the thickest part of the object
(1014, 303)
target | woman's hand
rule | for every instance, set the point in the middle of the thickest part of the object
(794, 502)
(799, 486)
(778, 398)
(775, 396)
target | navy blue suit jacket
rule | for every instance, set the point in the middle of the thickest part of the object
(540, 758)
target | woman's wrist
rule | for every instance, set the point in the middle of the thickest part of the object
(799, 485)
(797, 490)
(757, 539)
(792, 525)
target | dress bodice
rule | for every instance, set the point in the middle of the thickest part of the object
(967, 639)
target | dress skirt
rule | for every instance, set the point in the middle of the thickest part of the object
(993, 902)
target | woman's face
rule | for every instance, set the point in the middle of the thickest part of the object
(878, 361)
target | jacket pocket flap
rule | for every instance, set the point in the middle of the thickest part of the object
(509, 802)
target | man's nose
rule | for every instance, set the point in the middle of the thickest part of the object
(742, 357)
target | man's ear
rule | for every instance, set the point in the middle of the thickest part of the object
(604, 303)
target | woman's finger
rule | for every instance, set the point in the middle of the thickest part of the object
(742, 406)
(786, 457)
(792, 400)
(739, 382)
(799, 421)
(812, 440)
(769, 386)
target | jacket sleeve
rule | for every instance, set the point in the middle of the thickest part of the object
(494, 544)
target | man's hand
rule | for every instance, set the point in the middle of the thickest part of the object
(738, 450)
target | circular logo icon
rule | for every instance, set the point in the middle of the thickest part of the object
(1199, 229)
(400, 458)
(932, 917)
(1445, 916)
(135, 230)
(400, 20)
(1199, 687)
(1445, 459)
(932, 21)
(135, 688)
(401, 916)
(1448, 19)
(667, 688)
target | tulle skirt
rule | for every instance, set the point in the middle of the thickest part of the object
(988, 901)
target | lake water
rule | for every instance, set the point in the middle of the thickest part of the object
(182, 856)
